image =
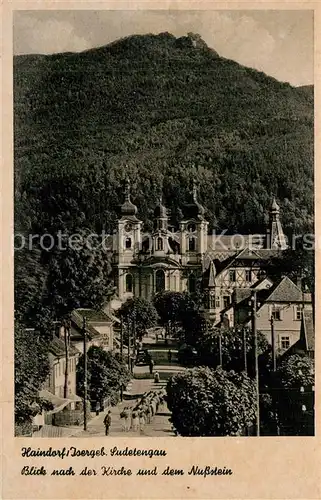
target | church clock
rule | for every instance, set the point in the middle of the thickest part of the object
(128, 227)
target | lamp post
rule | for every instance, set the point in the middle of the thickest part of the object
(256, 359)
(244, 349)
(85, 372)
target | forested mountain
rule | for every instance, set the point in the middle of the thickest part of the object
(162, 110)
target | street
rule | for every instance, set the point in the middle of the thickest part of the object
(159, 426)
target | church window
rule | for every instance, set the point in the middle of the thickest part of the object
(232, 275)
(248, 275)
(159, 243)
(129, 283)
(160, 281)
(192, 283)
(191, 244)
(191, 228)
(128, 243)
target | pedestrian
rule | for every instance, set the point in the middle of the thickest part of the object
(97, 407)
(135, 420)
(107, 422)
(151, 366)
(169, 356)
(156, 377)
(141, 420)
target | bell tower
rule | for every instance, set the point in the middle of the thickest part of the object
(127, 245)
(275, 236)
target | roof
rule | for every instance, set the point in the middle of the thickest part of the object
(93, 315)
(57, 348)
(241, 294)
(285, 291)
(307, 330)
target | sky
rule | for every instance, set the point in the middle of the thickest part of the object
(280, 43)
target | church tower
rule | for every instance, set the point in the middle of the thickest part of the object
(275, 236)
(128, 244)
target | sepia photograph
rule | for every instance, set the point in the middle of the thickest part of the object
(163, 223)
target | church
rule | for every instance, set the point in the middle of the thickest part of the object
(189, 258)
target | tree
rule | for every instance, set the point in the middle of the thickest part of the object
(138, 314)
(170, 308)
(292, 389)
(207, 402)
(106, 374)
(31, 370)
(232, 348)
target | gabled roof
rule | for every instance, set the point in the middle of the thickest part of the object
(285, 291)
(93, 315)
(248, 254)
(307, 330)
(57, 348)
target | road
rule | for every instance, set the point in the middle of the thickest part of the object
(160, 425)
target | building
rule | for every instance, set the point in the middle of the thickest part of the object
(305, 346)
(57, 360)
(283, 302)
(187, 257)
(99, 328)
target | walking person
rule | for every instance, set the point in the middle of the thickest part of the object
(135, 420)
(151, 366)
(107, 422)
(97, 407)
(141, 421)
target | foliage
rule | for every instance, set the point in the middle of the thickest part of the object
(296, 262)
(31, 370)
(138, 315)
(295, 371)
(207, 402)
(162, 110)
(106, 374)
(291, 388)
(78, 274)
(169, 306)
(232, 345)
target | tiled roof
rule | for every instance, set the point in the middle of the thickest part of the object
(92, 315)
(57, 348)
(241, 294)
(307, 331)
(284, 291)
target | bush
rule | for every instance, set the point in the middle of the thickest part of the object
(207, 402)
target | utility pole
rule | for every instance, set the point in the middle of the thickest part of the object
(121, 353)
(256, 364)
(244, 349)
(273, 344)
(128, 331)
(85, 373)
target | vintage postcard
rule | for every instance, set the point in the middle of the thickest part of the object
(160, 221)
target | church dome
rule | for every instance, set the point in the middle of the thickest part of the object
(275, 207)
(128, 208)
(160, 210)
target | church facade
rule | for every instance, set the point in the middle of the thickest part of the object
(189, 258)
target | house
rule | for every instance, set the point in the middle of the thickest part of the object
(305, 345)
(99, 329)
(179, 259)
(57, 360)
(282, 301)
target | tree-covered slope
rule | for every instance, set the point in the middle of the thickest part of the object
(161, 110)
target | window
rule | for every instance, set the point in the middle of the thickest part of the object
(232, 275)
(248, 275)
(191, 244)
(160, 280)
(212, 302)
(128, 243)
(159, 243)
(285, 342)
(298, 313)
(218, 301)
(226, 301)
(191, 283)
(276, 314)
(191, 228)
(129, 283)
